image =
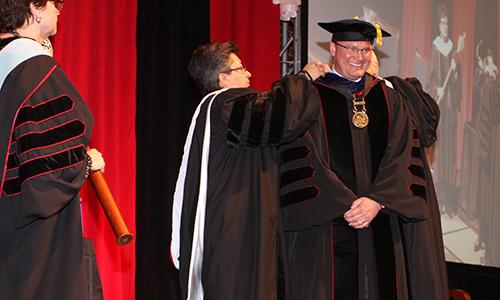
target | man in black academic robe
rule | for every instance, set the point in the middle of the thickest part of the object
(359, 254)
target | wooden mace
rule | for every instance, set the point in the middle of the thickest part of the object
(122, 234)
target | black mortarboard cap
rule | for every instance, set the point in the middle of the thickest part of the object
(354, 30)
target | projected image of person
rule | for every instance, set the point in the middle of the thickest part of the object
(485, 71)
(445, 87)
(487, 143)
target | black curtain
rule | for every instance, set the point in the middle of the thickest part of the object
(167, 33)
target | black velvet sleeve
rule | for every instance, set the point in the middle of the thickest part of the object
(47, 160)
(269, 118)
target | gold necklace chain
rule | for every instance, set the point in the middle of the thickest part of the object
(46, 44)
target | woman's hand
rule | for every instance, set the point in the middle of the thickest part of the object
(98, 163)
(316, 69)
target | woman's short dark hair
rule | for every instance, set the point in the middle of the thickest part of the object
(208, 61)
(442, 11)
(13, 13)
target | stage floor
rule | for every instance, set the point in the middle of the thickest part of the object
(459, 241)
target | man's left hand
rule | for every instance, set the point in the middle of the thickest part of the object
(363, 211)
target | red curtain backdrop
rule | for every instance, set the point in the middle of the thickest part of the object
(463, 20)
(416, 34)
(255, 26)
(95, 46)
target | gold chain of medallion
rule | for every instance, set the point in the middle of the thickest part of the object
(359, 118)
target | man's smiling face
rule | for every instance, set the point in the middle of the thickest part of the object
(350, 65)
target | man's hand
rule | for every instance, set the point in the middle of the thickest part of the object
(363, 211)
(316, 69)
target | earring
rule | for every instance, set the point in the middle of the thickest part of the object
(38, 19)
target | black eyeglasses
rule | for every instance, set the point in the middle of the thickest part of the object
(58, 4)
(240, 68)
(355, 50)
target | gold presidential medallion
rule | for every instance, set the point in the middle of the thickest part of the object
(359, 118)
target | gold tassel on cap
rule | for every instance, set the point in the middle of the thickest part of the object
(356, 18)
(379, 34)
